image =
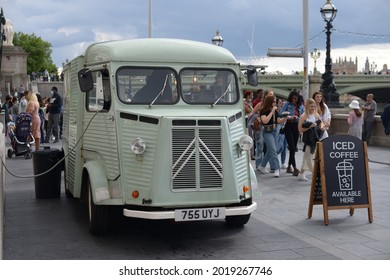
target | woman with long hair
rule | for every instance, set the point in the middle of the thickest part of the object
(270, 118)
(323, 111)
(309, 120)
(33, 109)
(295, 110)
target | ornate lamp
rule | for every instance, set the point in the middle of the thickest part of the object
(217, 40)
(315, 55)
(328, 88)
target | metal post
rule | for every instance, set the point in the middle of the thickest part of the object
(305, 88)
(328, 88)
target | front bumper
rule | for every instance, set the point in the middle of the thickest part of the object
(170, 214)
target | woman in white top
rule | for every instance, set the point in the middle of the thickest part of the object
(323, 111)
(355, 120)
(311, 116)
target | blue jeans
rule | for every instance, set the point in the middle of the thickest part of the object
(259, 146)
(271, 155)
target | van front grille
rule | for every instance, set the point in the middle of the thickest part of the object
(197, 158)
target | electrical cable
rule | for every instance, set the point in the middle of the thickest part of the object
(55, 165)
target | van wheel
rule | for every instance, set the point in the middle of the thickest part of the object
(237, 221)
(97, 215)
(10, 153)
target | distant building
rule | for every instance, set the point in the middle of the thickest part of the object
(372, 68)
(345, 67)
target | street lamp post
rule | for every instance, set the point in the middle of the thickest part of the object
(315, 55)
(217, 40)
(328, 88)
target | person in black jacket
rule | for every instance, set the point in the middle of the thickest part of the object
(54, 109)
(385, 117)
(6, 108)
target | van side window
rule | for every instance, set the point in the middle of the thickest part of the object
(99, 98)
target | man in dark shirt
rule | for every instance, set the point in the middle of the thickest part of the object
(54, 109)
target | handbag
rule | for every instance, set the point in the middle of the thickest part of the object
(270, 127)
(256, 124)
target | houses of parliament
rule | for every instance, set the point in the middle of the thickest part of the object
(350, 67)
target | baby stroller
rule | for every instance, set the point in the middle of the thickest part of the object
(21, 136)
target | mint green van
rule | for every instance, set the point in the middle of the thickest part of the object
(157, 127)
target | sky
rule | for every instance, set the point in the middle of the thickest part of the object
(248, 27)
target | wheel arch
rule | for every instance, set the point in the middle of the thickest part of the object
(95, 173)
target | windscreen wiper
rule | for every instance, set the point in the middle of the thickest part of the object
(161, 91)
(223, 94)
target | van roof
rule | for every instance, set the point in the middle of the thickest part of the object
(158, 50)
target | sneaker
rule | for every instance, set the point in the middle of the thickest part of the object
(290, 170)
(284, 166)
(262, 170)
(302, 177)
(276, 173)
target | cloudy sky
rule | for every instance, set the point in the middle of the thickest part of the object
(361, 28)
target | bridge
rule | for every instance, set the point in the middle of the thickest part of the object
(357, 85)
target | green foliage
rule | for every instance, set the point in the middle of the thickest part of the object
(39, 52)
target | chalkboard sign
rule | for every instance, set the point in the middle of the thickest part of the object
(340, 175)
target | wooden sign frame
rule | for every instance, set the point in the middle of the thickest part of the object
(318, 191)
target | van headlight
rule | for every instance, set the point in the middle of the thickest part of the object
(245, 143)
(138, 146)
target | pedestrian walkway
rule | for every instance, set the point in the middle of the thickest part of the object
(284, 205)
(279, 229)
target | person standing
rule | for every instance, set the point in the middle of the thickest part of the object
(41, 117)
(310, 124)
(14, 110)
(385, 117)
(22, 103)
(259, 97)
(20, 92)
(355, 120)
(7, 115)
(33, 110)
(248, 96)
(54, 109)
(323, 111)
(295, 110)
(270, 118)
(369, 109)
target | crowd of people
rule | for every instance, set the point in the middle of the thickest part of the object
(45, 112)
(277, 126)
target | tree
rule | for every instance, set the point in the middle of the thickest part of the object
(39, 52)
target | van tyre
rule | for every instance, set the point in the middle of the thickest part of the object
(237, 221)
(97, 215)
(10, 153)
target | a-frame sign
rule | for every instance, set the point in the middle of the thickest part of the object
(340, 176)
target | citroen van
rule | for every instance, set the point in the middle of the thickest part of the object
(156, 127)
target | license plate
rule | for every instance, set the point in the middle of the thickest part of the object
(199, 214)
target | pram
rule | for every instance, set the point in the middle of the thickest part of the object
(21, 136)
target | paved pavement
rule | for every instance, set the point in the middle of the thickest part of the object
(279, 228)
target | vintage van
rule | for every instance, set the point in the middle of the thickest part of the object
(157, 127)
